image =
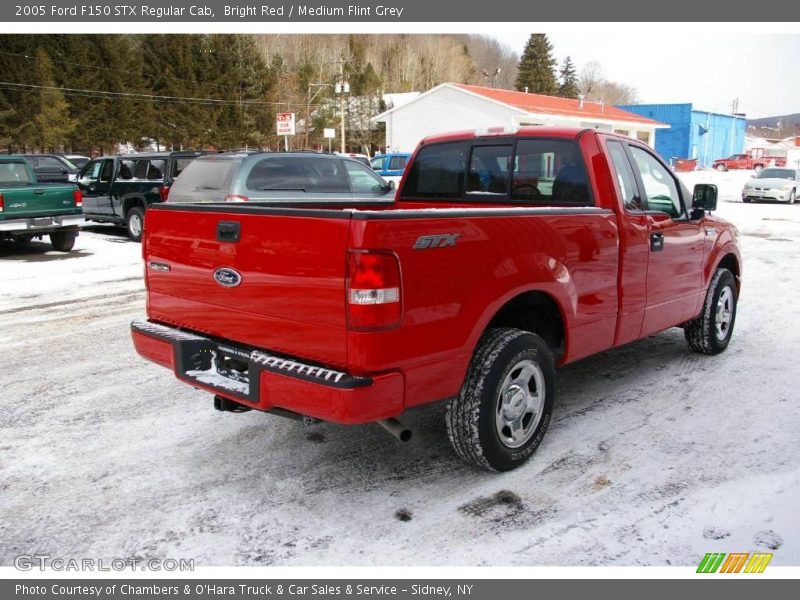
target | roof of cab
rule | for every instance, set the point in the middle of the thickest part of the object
(494, 132)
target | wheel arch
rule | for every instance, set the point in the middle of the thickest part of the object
(132, 200)
(533, 310)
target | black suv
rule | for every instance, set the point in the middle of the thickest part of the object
(51, 168)
(118, 189)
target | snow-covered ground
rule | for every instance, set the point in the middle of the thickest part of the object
(655, 456)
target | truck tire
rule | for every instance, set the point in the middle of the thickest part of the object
(63, 241)
(134, 223)
(710, 333)
(721, 168)
(502, 412)
(758, 168)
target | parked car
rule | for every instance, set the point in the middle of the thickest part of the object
(781, 185)
(280, 177)
(51, 168)
(504, 256)
(390, 166)
(78, 160)
(119, 189)
(755, 160)
(30, 209)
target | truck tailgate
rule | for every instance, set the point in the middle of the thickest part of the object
(37, 200)
(279, 286)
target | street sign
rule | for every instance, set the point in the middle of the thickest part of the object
(285, 123)
(329, 133)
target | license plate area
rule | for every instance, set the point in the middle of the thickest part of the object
(224, 368)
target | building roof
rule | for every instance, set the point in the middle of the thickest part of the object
(540, 104)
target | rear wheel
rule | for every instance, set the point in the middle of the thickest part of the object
(758, 168)
(63, 241)
(134, 222)
(710, 333)
(720, 167)
(502, 413)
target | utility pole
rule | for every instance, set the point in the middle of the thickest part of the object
(342, 88)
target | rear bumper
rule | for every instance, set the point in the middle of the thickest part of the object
(273, 381)
(48, 223)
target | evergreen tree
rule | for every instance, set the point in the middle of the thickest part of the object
(537, 67)
(569, 80)
(53, 124)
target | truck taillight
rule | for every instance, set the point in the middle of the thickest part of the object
(2, 203)
(373, 290)
(236, 198)
(164, 192)
(77, 195)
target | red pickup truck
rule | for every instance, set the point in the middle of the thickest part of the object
(756, 160)
(503, 257)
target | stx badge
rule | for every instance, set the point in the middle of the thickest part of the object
(436, 241)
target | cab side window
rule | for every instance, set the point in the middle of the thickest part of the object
(659, 186)
(626, 181)
(92, 170)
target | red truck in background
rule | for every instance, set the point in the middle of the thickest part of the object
(503, 257)
(755, 160)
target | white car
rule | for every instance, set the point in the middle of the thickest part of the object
(773, 183)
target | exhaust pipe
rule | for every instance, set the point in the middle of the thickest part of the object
(397, 429)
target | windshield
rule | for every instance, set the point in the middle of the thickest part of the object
(205, 175)
(14, 173)
(776, 174)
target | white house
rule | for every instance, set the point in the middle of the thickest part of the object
(455, 106)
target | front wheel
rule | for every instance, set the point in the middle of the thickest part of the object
(721, 168)
(134, 222)
(504, 407)
(710, 333)
(758, 168)
(63, 241)
(792, 196)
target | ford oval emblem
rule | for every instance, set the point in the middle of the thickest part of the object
(227, 277)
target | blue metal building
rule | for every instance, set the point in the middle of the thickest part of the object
(693, 133)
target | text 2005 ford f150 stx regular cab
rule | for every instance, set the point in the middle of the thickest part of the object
(504, 256)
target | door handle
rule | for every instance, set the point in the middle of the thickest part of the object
(39, 192)
(228, 231)
(656, 242)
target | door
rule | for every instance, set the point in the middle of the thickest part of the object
(634, 238)
(676, 243)
(87, 182)
(396, 166)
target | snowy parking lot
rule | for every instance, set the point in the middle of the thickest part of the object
(655, 456)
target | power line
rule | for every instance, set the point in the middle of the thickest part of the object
(25, 87)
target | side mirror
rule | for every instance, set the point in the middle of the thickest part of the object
(704, 197)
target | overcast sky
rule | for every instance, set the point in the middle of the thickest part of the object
(707, 70)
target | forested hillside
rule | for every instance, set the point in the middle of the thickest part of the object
(90, 92)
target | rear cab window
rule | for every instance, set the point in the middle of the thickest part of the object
(532, 171)
(14, 173)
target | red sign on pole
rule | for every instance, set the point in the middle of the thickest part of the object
(285, 123)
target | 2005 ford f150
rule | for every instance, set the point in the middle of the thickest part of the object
(30, 209)
(504, 256)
